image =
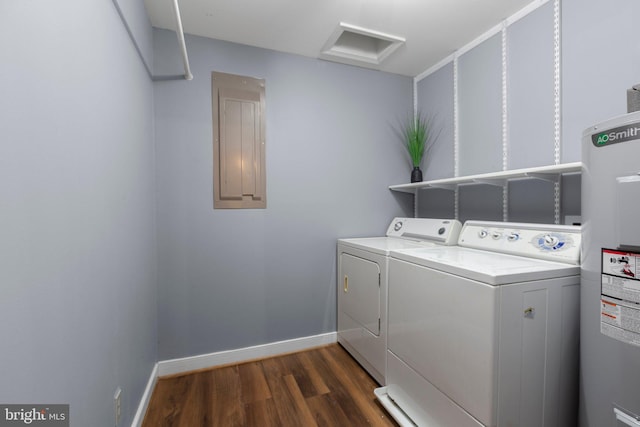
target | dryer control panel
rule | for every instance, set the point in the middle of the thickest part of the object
(443, 231)
(560, 243)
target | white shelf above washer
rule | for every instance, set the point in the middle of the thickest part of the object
(548, 173)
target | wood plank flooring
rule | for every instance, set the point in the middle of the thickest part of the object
(318, 387)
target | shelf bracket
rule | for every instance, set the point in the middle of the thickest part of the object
(497, 182)
(451, 187)
(550, 177)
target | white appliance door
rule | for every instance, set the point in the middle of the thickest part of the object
(360, 291)
(444, 327)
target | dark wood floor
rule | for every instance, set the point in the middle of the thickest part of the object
(318, 387)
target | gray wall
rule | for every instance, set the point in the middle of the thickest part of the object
(480, 108)
(529, 46)
(77, 230)
(235, 278)
(136, 22)
(530, 91)
(436, 102)
(601, 60)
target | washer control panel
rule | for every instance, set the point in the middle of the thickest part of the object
(559, 243)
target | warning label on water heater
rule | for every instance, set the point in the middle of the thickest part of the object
(620, 295)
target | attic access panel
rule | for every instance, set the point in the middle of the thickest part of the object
(359, 46)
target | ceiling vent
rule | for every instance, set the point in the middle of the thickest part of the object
(359, 46)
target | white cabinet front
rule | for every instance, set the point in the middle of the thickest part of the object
(444, 328)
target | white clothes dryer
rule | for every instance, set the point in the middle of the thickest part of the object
(486, 333)
(362, 285)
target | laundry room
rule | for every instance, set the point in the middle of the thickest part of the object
(115, 266)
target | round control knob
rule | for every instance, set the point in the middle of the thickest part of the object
(496, 235)
(483, 233)
(550, 240)
(397, 226)
(512, 237)
(441, 231)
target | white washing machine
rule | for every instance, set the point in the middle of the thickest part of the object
(486, 333)
(362, 285)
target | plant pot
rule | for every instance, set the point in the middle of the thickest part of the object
(416, 174)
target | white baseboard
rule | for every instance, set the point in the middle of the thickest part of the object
(146, 397)
(185, 364)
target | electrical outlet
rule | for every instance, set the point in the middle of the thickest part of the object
(117, 405)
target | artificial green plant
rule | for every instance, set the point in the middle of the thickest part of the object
(416, 135)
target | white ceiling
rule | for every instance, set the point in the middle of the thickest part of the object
(433, 29)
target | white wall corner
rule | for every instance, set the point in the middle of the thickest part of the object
(146, 398)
